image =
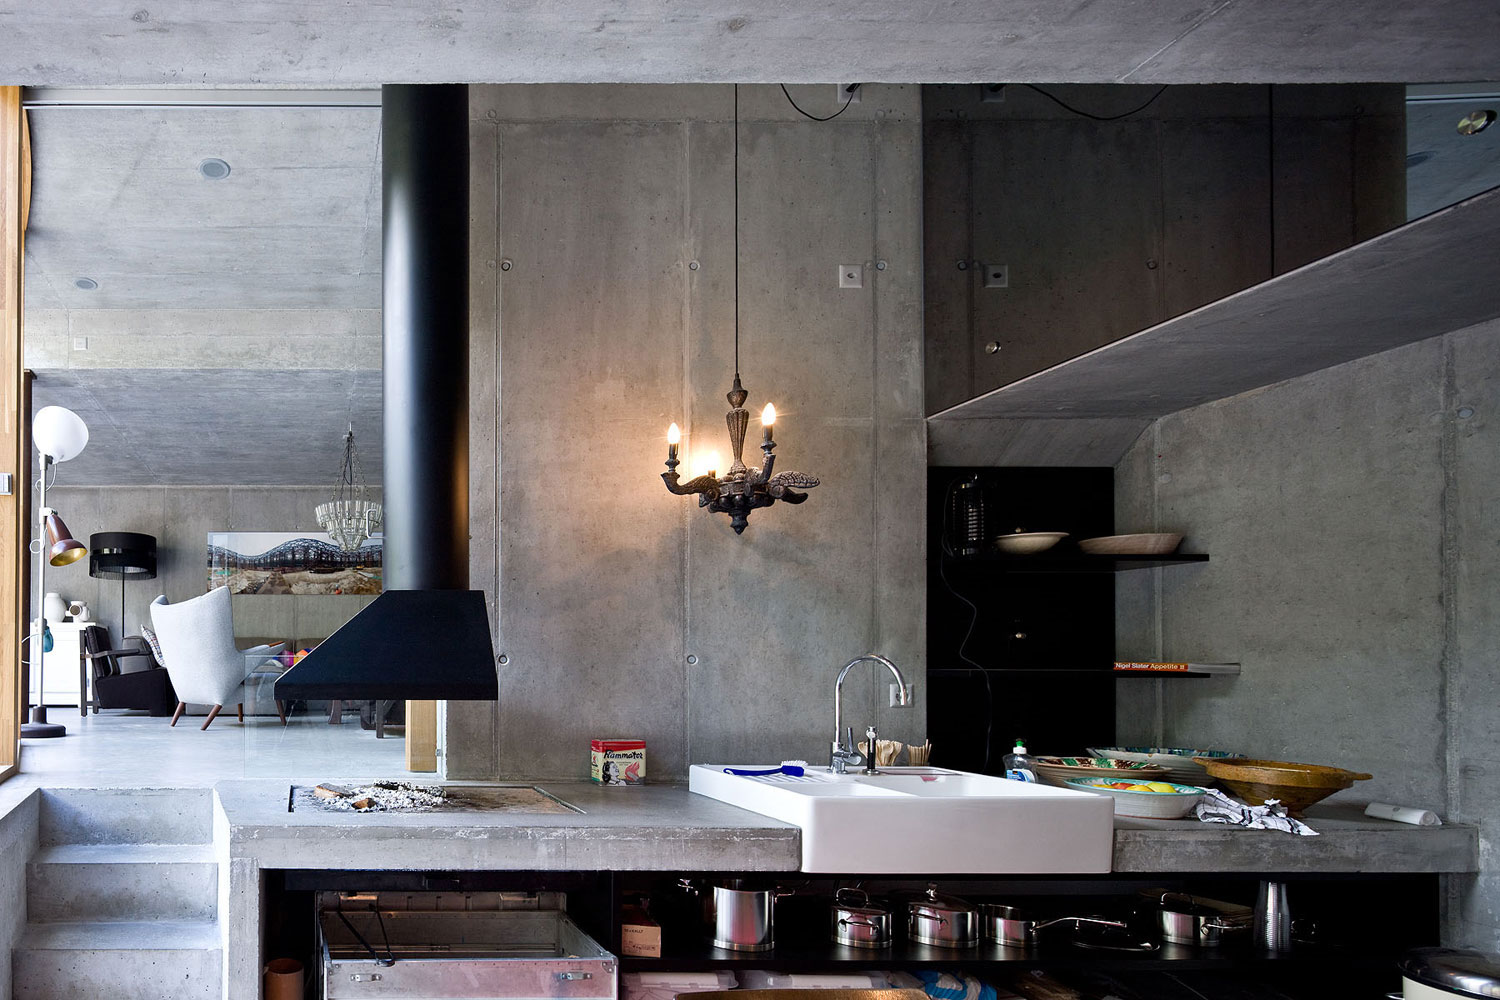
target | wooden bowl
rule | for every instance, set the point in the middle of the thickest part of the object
(1154, 543)
(1295, 786)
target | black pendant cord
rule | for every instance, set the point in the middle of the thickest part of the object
(736, 234)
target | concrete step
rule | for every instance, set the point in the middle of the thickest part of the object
(126, 960)
(126, 816)
(75, 882)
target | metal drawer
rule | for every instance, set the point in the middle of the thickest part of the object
(473, 954)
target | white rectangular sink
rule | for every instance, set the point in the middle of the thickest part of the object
(925, 820)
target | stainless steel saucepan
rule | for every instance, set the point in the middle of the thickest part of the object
(859, 924)
(942, 921)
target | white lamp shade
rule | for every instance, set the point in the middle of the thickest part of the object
(59, 433)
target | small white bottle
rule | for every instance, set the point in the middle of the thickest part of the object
(1018, 766)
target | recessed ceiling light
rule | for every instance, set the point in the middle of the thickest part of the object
(214, 169)
(87, 284)
(1475, 121)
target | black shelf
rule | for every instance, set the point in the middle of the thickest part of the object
(909, 955)
(1073, 562)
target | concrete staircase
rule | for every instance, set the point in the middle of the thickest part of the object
(122, 897)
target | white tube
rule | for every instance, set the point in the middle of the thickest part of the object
(1403, 814)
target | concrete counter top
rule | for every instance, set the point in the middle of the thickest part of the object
(667, 828)
(647, 828)
(1348, 841)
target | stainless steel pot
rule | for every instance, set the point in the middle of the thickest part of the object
(859, 925)
(1184, 919)
(1007, 925)
(943, 921)
(738, 915)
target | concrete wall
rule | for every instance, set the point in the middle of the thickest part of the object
(18, 840)
(1350, 516)
(1106, 228)
(180, 517)
(625, 611)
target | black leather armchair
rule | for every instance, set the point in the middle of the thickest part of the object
(126, 677)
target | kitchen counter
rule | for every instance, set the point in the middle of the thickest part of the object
(667, 828)
(647, 828)
(1348, 841)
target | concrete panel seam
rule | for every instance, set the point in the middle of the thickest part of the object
(1448, 519)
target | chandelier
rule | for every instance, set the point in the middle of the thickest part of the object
(350, 517)
(741, 489)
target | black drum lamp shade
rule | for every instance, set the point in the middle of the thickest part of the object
(122, 555)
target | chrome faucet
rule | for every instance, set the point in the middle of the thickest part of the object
(842, 752)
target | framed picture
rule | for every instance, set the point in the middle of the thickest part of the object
(287, 562)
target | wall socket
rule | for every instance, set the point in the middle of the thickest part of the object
(851, 276)
(996, 276)
(849, 93)
(80, 343)
(895, 693)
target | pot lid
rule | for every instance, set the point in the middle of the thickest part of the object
(936, 902)
(1462, 973)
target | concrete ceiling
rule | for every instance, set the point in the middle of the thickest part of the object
(338, 43)
(226, 306)
(216, 426)
(117, 197)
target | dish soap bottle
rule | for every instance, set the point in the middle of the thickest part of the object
(1018, 766)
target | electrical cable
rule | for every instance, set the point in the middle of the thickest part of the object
(1098, 118)
(736, 234)
(847, 101)
(989, 692)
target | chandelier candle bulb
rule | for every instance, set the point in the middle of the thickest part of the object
(768, 417)
(673, 437)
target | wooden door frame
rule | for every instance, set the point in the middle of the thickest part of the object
(15, 536)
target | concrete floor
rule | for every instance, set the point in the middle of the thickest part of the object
(113, 749)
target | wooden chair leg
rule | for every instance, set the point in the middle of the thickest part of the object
(181, 707)
(213, 714)
(281, 710)
(241, 710)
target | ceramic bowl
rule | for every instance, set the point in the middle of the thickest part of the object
(1295, 786)
(1152, 543)
(1024, 543)
(1057, 770)
(1144, 805)
(1177, 760)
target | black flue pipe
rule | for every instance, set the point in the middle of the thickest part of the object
(425, 175)
(428, 636)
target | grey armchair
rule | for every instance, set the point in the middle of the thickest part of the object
(198, 650)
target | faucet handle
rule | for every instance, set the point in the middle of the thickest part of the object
(870, 735)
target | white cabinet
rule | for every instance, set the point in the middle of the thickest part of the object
(60, 666)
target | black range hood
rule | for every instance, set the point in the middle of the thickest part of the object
(427, 638)
(399, 648)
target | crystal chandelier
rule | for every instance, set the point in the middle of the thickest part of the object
(350, 517)
(741, 489)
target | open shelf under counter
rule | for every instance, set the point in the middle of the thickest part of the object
(831, 958)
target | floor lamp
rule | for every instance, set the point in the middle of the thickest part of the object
(59, 434)
(122, 555)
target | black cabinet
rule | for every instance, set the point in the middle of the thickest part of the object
(1020, 646)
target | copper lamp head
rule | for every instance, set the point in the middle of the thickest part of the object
(62, 547)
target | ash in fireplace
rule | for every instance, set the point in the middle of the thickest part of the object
(380, 796)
